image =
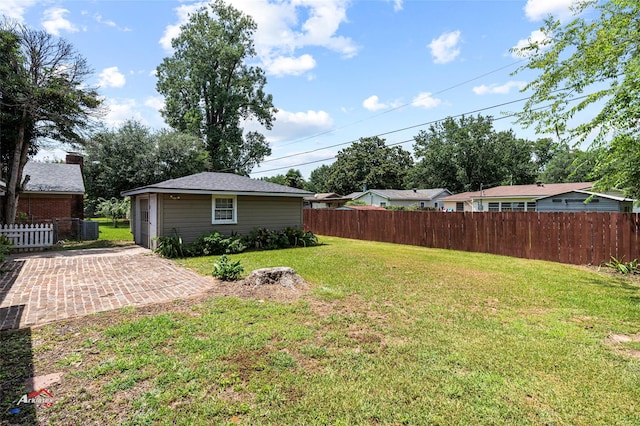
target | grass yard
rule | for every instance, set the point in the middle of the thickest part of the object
(387, 334)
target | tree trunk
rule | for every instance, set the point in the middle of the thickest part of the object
(15, 175)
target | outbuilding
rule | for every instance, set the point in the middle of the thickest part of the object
(210, 201)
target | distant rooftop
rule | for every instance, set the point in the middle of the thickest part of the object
(53, 178)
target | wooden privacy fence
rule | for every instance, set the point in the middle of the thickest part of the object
(29, 236)
(576, 238)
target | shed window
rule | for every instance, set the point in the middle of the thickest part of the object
(224, 209)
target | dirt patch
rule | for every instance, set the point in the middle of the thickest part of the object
(617, 342)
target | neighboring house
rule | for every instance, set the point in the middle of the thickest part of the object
(509, 197)
(361, 208)
(52, 191)
(584, 201)
(204, 202)
(327, 200)
(420, 198)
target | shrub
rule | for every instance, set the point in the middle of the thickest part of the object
(227, 270)
(264, 239)
(215, 243)
(5, 247)
(619, 265)
(170, 246)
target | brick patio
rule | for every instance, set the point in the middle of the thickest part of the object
(42, 288)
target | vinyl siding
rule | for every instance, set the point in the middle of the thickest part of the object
(574, 202)
(190, 216)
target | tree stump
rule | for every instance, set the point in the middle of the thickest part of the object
(284, 276)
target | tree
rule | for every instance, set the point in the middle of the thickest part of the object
(43, 94)
(571, 165)
(318, 180)
(132, 156)
(591, 61)
(210, 89)
(293, 179)
(113, 208)
(369, 163)
(461, 155)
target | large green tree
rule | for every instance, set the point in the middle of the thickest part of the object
(43, 94)
(132, 156)
(211, 89)
(318, 180)
(463, 154)
(571, 165)
(292, 178)
(591, 64)
(369, 163)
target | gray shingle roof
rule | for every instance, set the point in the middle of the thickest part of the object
(54, 178)
(409, 194)
(218, 182)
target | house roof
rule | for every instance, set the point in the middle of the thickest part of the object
(53, 178)
(219, 183)
(326, 196)
(361, 208)
(407, 194)
(522, 191)
(354, 195)
(589, 193)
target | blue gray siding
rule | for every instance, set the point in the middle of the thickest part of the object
(574, 202)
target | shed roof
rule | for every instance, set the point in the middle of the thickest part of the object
(214, 182)
(53, 178)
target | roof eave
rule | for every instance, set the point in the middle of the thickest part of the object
(151, 190)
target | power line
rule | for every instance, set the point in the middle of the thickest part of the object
(401, 106)
(395, 131)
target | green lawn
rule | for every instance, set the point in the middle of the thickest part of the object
(388, 334)
(107, 231)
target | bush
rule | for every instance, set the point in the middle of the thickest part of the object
(215, 243)
(227, 270)
(171, 246)
(5, 247)
(619, 265)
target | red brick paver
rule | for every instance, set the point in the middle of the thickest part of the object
(38, 289)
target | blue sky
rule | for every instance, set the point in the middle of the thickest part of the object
(338, 70)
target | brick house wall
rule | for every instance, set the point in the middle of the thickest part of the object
(38, 207)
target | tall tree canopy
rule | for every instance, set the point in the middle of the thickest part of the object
(571, 165)
(43, 94)
(293, 178)
(210, 89)
(369, 163)
(318, 180)
(133, 156)
(594, 57)
(462, 154)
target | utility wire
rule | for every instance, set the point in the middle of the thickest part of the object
(395, 131)
(401, 106)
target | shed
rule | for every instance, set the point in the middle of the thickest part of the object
(210, 201)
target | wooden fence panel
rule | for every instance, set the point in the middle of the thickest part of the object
(577, 238)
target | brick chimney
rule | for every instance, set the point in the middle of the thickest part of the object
(75, 158)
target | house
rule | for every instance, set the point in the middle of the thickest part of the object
(420, 198)
(584, 201)
(208, 201)
(326, 200)
(361, 208)
(509, 197)
(52, 191)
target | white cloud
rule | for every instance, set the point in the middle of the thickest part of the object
(537, 10)
(289, 65)
(289, 126)
(111, 77)
(372, 103)
(15, 9)
(495, 89)
(155, 102)
(536, 36)
(122, 110)
(397, 5)
(426, 100)
(446, 47)
(99, 19)
(283, 28)
(54, 21)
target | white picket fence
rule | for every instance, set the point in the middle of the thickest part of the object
(39, 235)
